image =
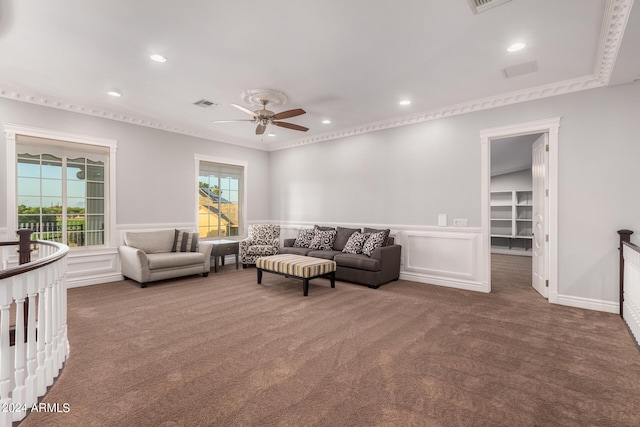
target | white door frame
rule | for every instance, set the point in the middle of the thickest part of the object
(550, 126)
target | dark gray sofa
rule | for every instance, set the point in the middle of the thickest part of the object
(381, 267)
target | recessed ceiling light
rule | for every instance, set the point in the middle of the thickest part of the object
(158, 58)
(115, 93)
(271, 134)
(326, 121)
(405, 102)
(516, 47)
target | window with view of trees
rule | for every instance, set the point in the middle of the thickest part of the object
(61, 190)
(220, 190)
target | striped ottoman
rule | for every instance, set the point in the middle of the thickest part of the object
(299, 267)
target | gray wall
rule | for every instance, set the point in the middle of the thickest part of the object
(406, 176)
(155, 169)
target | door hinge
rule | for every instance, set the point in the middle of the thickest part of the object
(546, 283)
(546, 192)
(546, 238)
(546, 147)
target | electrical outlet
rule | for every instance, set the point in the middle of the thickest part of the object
(460, 222)
(442, 220)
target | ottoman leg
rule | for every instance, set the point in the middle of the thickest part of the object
(259, 270)
(332, 277)
(305, 287)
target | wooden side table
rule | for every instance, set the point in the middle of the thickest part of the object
(222, 248)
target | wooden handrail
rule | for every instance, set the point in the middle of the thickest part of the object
(23, 268)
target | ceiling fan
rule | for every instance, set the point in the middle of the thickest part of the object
(266, 117)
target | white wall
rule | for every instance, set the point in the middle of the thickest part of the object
(405, 176)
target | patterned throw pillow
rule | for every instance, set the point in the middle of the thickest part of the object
(323, 240)
(374, 241)
(185, 241)
(304, 238)
(386, 234)
(355, 243)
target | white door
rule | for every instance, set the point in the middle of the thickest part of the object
(540, 208)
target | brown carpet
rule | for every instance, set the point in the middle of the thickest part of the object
(225, 351)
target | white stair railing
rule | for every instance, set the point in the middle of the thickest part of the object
(33, 351)
(630, 283)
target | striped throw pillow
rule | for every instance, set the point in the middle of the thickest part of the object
(185, 241)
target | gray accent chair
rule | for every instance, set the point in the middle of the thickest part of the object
(263, 240)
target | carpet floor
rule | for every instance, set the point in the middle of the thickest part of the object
(225, 351)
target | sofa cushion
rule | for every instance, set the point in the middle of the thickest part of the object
(342, 237)
(386, 231)
(294, 251)
(355, 243)
(150, 242)
(304, 238)
(323, 254)
(374, 241)
(185, 241)
(361, 262)
(322, 227)
(323, 240)
(174, 259)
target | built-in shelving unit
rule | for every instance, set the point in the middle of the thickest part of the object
(511, 222)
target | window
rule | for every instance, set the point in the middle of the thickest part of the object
(220, 199)
(61, 190)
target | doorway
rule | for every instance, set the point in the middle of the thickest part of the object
(549, 128)
(518, 208)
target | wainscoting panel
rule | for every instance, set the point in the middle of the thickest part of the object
(90, 267)
(442, 256)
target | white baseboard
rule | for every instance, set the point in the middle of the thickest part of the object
(467, 285)
(588, 303)
(93, 280)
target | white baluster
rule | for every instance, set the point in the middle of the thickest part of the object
(48, 324)
(32, 363)
(5, 351)
(41, 387)
(18, 395)
(55, 286)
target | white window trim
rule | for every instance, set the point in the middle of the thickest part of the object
(245, 168)
(11, 130)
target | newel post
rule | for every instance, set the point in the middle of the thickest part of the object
(625, 236)
(24, 248)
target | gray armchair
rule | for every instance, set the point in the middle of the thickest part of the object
(263, 240)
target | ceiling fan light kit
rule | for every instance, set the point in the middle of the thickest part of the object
(263, 117)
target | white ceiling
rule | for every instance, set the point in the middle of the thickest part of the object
(347, 61)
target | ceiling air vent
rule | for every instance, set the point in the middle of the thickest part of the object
(478, 6)
(205, 104)
(520, 69)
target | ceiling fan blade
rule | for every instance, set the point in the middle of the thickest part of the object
(260, 129)
(231, 121)
(245, 110)
(291, 126)
(289, 113)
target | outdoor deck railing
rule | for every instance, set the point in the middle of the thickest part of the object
(33, 324)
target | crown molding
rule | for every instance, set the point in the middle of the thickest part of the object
(61, 105)
(616, 16)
